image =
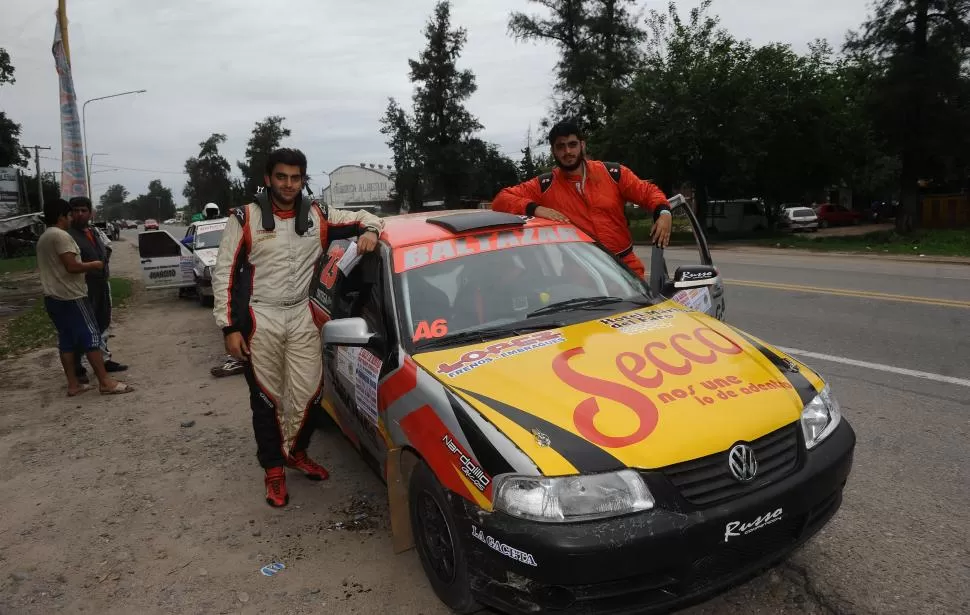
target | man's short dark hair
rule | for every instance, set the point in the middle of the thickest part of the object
(53, 210)
(564, 129)
(286, 155)
(80, 201)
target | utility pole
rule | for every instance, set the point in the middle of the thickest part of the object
(40, 183)
(158, 200)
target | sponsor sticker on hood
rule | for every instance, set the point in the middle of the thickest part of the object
(643, 389)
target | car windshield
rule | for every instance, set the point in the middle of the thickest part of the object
(504, 291)
(208, 239)
(802, 213)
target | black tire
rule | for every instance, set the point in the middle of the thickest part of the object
(436, 537)
(204, 301)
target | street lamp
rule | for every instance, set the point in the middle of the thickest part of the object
(84, 129)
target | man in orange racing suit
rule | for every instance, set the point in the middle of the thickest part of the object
(261, 282)
(590, 194)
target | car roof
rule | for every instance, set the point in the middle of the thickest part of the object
(213, 221)
(428, 226)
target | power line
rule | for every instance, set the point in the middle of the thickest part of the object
(112, 167)
(117, 168)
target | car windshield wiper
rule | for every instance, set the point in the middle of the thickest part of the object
(582, 303)
(481, 335)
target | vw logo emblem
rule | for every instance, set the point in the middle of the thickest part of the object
(742, 463)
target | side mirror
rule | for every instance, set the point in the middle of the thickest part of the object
(347, 332)
(694, 276)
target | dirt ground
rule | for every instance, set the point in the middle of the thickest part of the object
(117, 505)
(152, 502)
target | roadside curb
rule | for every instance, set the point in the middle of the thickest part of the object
(940, 260)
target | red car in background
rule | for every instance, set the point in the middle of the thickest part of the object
(151, 225)
(837, 215)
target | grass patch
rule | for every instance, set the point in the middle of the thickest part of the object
(943, 242)
(33, 329)
(21, 263)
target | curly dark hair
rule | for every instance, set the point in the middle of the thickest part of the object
(286, 155)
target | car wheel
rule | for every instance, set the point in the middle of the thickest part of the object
(436, 538)
(204, 300)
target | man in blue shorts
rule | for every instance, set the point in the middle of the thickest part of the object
(66, 299)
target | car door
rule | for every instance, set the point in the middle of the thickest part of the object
(663, 264)
(165, 262)
(351, 374)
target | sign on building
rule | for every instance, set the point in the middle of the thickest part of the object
(9, 193)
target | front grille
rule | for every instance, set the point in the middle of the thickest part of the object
(707, 480)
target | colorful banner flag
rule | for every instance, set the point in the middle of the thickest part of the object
(73, 180)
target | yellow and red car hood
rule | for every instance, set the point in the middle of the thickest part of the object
(643, 389)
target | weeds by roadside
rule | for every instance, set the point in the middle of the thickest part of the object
(943, 242)
(33, 329)
(21, 263)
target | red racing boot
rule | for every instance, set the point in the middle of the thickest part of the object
(275, 480)
(310, 468)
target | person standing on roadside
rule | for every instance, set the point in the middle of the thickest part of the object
(591, 195)
(66, 300)
(99, 289)
(261, 287)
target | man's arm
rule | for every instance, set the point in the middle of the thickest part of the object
(344, 223)
(69, 260)
(233, 250)
(642, 192)
(522, 199)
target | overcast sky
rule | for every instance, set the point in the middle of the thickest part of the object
(327, 66)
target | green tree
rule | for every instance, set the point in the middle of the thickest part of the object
(684, 117)
(489, 170)
(158, 203)
(599, 44)
(12, 154)
(266, 137)
(209, 180)
(527, 166)
(921, 91)
(50, 186)
(113, 203)
(442, 123)
(399, 129)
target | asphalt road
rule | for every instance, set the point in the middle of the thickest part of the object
(901, 542)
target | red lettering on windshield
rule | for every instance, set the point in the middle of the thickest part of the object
(412, 257)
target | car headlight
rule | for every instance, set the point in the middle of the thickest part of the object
(563, 499)
(820, 417)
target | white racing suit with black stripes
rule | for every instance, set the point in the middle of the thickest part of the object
(261, 283)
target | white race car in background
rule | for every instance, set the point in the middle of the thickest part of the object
(170, 263)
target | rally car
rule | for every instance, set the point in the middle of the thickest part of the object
(184, 264)
(558, 435)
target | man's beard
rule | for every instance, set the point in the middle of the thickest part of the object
(570, 168)
(280, 200)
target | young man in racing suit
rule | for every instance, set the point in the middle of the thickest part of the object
(590, 194)
(261, 282)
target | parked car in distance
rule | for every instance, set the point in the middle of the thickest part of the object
(800, 219)
(151, 225)
(836, 215)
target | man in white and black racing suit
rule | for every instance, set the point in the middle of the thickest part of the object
(261, 283)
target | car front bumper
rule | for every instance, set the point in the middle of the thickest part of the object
(669, 557)
(803, 225)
